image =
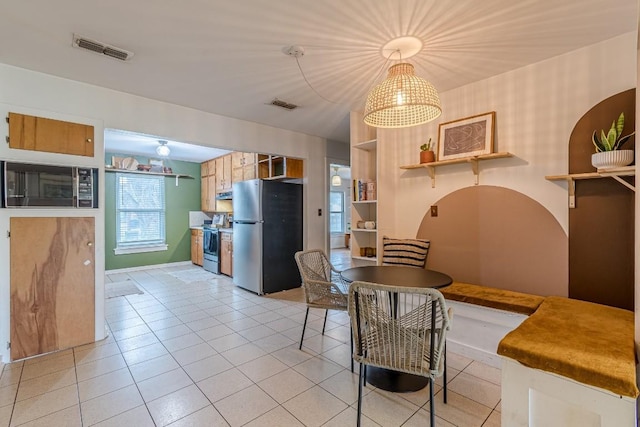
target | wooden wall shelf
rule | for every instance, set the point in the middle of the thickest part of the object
(473, 161)
(177, 175)
(366, 145)
(615, 173)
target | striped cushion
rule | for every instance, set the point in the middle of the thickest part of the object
(411, 252)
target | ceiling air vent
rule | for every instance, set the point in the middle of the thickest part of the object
(99, 47)
(279, 103)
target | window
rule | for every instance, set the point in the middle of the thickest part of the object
(336, 212)
(140, 213)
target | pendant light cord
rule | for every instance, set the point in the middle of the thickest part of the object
(334, 102)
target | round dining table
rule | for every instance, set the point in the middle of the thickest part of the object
(410, 277)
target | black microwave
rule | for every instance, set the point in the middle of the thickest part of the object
(30, 185)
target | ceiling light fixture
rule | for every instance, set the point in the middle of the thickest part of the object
(163, 150)
(402, 99)
(336, 181)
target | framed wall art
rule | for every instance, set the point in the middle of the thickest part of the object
(468, 137)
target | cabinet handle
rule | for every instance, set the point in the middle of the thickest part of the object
(89, 140)
(90, 244)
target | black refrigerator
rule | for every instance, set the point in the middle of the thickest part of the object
(267, 232)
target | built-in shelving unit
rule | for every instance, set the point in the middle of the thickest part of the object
(615, 173)
(364, 166)
(473, 161)
(279, 167)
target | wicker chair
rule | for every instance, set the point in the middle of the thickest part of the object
(323, 286)
(398, 328)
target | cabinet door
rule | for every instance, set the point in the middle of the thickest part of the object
(237, 159)
(52, 136)
(197, 251)
(53, 294)
(199, 248)
(211, 188)
(250, 172)
(226, 260)
(194, 246)
(226, 172)
(211, 167)
(219, 174)
(237, 175)
(204, 169)
(250, 159)
(204, 192)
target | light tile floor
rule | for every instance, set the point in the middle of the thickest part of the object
(194, 350)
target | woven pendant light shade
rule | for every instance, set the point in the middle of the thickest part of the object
(402, 100)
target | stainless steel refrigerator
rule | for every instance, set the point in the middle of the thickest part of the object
(267, 232)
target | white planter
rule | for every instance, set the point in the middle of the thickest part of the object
(612, 159)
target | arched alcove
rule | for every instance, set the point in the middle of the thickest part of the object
(601, 226)
(498, 237)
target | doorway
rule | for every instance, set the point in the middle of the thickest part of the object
(339, 212)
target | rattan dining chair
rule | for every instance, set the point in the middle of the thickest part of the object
(398, 328)
(323, 286)
(410, 253)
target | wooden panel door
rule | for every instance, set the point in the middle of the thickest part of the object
(226, 160)
(52, 284)
(211, 197)
(226, 257)
(197, 251)
(204, 192)
(52, 136)
(237, 159)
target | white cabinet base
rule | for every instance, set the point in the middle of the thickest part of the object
(476, 331)
(535, 398)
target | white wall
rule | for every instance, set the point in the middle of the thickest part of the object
(39, 94)
(536, 109)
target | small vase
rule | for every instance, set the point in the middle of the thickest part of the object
(427, 157)
(612, 159)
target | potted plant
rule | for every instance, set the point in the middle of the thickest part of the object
(426, 153)
(608, 153)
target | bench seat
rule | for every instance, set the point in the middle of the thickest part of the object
(589, 343)
(499, 299)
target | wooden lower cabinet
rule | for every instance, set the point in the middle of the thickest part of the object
(226, 254)
(52, 285)
(197, 251)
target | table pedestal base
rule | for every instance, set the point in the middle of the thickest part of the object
(397, 382)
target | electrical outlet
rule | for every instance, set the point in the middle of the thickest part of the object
(434, 210)
(319, 212)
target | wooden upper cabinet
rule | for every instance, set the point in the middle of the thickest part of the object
(223, 173)
(52, 136)
(237, 159)
(244, 166)
(204, 169)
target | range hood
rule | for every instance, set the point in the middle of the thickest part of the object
(224, 196)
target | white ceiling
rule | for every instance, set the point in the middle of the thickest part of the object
(225, 57)
(121, 142)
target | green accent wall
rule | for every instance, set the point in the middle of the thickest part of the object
(179, 201)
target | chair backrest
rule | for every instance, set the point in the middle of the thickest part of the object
(322, 283)
(399, 328)
(409, 252)
(313, 265)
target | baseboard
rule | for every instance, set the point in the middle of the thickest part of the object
(484, 356)
(148, 267)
